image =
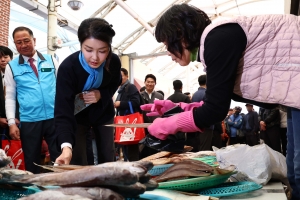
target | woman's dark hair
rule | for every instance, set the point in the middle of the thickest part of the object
(5, 51)
(99, 29)
(181, 24)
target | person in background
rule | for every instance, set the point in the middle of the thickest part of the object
(270, 126)
(30, 79)
(128, 93)
(204, 140)
(150, 94)
(178, 96)
(189, 95)
(6, 55)
(250, 126)
(283, 129)
(200, 93)
(162, 93)
(217, 135)
(92, 74)
(235, 122)
(228, 51)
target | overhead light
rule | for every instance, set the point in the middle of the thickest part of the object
(75, 4)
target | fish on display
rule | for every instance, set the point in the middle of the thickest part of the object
(50, 195)
(95, 193)
(85, 177)
(114, 173)
(185, 169)
(4, 160)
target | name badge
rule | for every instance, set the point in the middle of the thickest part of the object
(46, 69)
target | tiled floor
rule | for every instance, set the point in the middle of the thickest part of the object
(272, 191)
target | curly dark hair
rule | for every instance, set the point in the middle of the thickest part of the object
(99, 29)
(181, 24)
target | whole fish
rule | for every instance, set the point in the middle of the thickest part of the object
(151, 185)
(180, 174)
(138, 167)
(4, 160)
(145, 178)
(50, 195)
(95, 193)
(88, 176)
(132, 190)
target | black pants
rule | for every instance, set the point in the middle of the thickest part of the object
(130, 152)
(272, 137)
(104, 136)
(32, 134)
(251, 138)
(193, 140)
(233, 140)
(206, 140)
(283, 138)
(217, 140)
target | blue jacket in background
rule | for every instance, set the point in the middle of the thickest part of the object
(235, 123)
(199, 95)
(35, 95)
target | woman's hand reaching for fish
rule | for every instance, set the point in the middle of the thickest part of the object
(92, 96)
(65, 156)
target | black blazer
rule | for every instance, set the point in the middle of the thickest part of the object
(71, 78)
(178, 97)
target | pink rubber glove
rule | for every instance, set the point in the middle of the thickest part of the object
(162, 127)
(158, 108)
(190, 106)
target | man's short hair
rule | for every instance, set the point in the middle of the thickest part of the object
(125, 72)
(5, 51)
(187, 93)
(150, 76)
(22, 28)
(230, 109)
(177, 84)
(202, 80)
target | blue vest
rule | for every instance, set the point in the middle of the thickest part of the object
(35, 95)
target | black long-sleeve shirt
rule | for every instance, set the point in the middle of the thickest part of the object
(71, 78)
(224, 46)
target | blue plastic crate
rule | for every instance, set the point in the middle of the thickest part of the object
(229, 189)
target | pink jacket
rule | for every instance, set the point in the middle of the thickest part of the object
(269, 70)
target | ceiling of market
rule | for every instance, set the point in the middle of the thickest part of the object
(131, 36)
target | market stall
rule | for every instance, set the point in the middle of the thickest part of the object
(161, 176)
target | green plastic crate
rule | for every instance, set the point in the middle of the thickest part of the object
(192, 184)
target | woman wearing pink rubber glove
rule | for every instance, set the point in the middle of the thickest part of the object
(251, 59)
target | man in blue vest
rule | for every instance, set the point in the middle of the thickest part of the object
(31, 78)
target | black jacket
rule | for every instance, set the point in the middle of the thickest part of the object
(154, 96)
(178, 97)
(252, 119)
(271, 117)
(71, 78)
(129, 93)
